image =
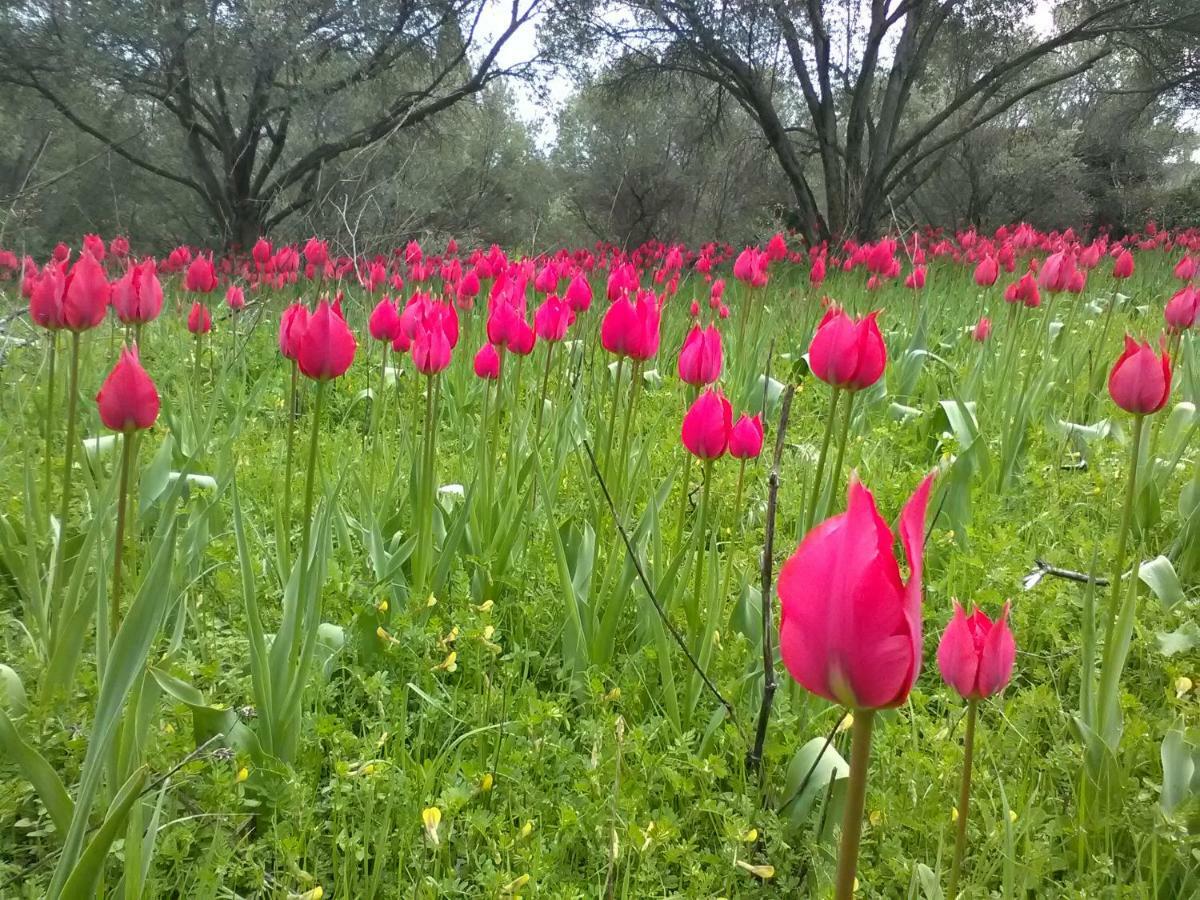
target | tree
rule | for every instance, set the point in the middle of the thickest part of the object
(660, 155)
(260, 97)
(841, 81)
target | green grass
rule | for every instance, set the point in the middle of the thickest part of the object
(617, 799)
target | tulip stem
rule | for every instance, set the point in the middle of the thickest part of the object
(68, 457)
(1123, 532)
(541, 401)
(694, 618)
(692, 393)
(127, 439)
(819, 475)
(612, 417)
(964, 798)
(737, 501)
(49, 412)
(836, 475)
(291, 441)
(310, 480)
(856, 795)
(635, 381)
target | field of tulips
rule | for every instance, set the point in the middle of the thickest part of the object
(690, 572)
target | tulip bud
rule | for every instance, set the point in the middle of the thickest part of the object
(975, 654)
(982, 329)
(384, 324)
(137, 296)
(746, 438)
(487, 362)
(326, 346)
(291, 329)
(85, 299)
(235, 298)
(845, 353)
(128, 399)
(199, 320)
(1140, 381)
(707, 426)
(1180, 312)
(701, 358)
(1123, 266)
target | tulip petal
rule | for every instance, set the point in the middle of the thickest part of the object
(957, 658)
(996, 659)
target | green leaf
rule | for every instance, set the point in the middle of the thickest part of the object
(813, 768)
(1182, 640)
(1178, 768)
(38, 773)
(85, 875)
(1159, 575)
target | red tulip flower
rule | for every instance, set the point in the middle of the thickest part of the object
(201, 276)
(1025, 290)
(261, 253)
(1185, 269)
(137, 296)
(816, 275)
(94, 244)
(316, 253)
(235, 298)
(1123, 266)
(982, 330)
(975, 654)
(987, 271)
(199, 320)
(291, 328)
(46, 297)
(128, 399)
(746, 438)
(707, 426)
(1140, 381)
(487, 362)
(552, 319)
(845, 353)
(85, 297)
(850, 628)
(579, 294)
(326, 346)
(1181, 309)
(701, 358)
(384, 324)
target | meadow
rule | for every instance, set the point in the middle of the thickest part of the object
(456, 572)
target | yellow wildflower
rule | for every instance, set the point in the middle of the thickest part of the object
(431, 818)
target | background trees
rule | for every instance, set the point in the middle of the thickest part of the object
(689, 119)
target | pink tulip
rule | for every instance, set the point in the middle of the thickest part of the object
(384, 324)
(291, 328)
(850, 627)
(1181, 309)
(845, 353)
(987, 271)
(707, 426)
(1123, 266)
(326, 346)
(1185, 269)
(701, 358)
(201, 277)
(85, 294)
(235, 298)
(199, 320)
(128, 399)
(137, 296)
(746, 438)
(1140, 381)
(982, 329)
(487, 362)
(975, 654)
(552, 319)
